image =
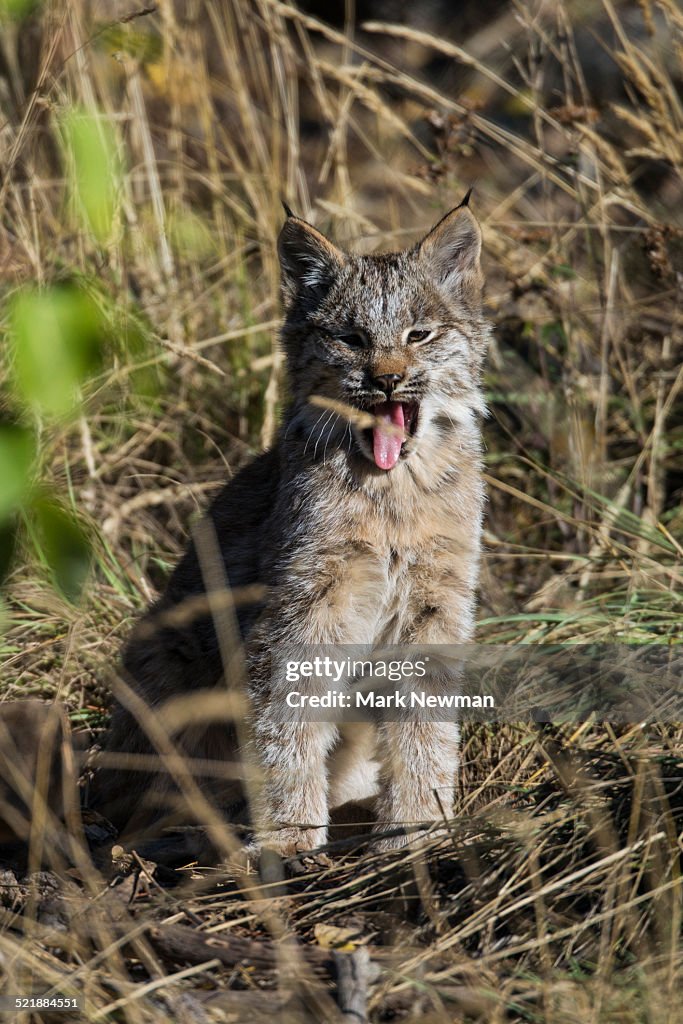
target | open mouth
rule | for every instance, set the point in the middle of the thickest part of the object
(396, 422)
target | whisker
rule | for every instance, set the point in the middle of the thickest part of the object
(289, 427)
(310, 434)
(315, 450)
(329, 435)
(444, 409)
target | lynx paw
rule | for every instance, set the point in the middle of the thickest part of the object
(384, 844)
(412, 839)
(294, 846)
(302, 863)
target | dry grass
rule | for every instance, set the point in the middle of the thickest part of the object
(558, 898)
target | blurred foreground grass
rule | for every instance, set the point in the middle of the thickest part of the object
(144, 156)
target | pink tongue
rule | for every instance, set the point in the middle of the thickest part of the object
(386, 444)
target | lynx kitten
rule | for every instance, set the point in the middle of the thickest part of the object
(360, 534)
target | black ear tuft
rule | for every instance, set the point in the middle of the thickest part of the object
(287, 209)
(466, 200)
(308, 260)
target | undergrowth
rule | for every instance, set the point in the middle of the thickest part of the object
(145, 154)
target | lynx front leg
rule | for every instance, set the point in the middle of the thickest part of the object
(421, 754)
(418, 775)
(329, 603)
(292, 805)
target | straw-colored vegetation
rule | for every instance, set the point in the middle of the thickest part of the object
(144, 153)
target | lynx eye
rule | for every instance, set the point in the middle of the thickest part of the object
(415, 336)
(354, 339)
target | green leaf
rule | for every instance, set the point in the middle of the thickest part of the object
(57, 336)
(561, 270)
(143, 45)
(94, 170)
(15, 10)
(191, 235)
(64, 547)
(17, 452)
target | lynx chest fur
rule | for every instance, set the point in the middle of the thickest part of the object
(376, 566)
(362, 524)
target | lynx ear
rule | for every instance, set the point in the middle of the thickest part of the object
(308, 260)
(451, 253)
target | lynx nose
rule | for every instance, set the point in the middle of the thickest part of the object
(387, 381)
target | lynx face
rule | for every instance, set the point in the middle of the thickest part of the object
(398, 335)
